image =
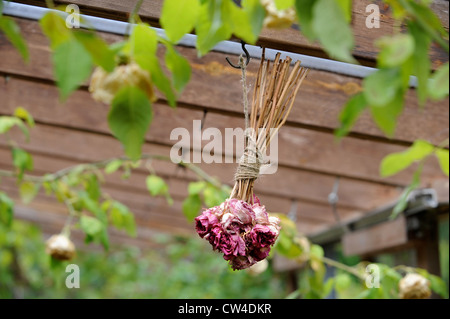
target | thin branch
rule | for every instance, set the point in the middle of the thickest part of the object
(102, 164)
(344, 267)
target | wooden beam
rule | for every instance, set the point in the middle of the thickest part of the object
(307, 212)
(376, 238)
(51, 222)
(287, 182)
(149, 211)
(353, 158)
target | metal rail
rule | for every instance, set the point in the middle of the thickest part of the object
(189, 40)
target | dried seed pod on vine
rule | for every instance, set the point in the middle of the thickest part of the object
(104, 85)
(60, 247)
(414, 286)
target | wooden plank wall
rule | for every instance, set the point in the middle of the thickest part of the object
(310, 159)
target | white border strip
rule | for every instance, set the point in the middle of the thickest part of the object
(112, 26)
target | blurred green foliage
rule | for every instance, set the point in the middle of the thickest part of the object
(444, 249)
(182, 268)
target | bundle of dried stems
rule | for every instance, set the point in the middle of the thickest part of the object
(274, 94)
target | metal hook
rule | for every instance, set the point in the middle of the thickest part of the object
(247, 55)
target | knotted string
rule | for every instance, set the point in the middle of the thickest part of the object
(250, 161)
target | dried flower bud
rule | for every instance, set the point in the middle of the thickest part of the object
(60, 247)
(275, 18)
(258, 268)
(414, 286)
(104, 85)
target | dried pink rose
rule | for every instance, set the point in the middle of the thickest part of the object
(232, 245)
(214, 236)
(204, 222)
(241, 262)
(261, 238)
(261, 215)
(256, 201)
(241, 210)
(244, 233)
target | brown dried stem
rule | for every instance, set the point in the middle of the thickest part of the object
(274, 94)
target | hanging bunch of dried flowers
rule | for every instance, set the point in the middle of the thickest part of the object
(241, 228)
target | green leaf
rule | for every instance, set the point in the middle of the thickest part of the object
(386, 116)
(442, 155)
(402, 203)
(28, 191)
(54, 27)
(250, 21)
(195, 188)
(162, 82)
(129, 119)
(294, 295)
(396, 162)
(104, 238)
(7, 122)
(284, 4)
(286, 246)
(213, 196)
(394, 50)
(246, 22)
(327, 287)
(22, 161)
(211, 27)
(305, 14)
(180, 68)
(122, 218)
(6, 209)
(72, 65)
(421, 61)
(99, 50)
(91, 225)
(93, 187)
(438, 285)
(93, 206)
(438, 85)
(12, 33)
(342, 282)
(376, 90)
(346, 6)
(156, 185)
(144, 44)
(427, 19)
(350, 113)
(113, 166)
(179, 17)
(332, 30)
(24, 115)
(191, 206)
(316, 252)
